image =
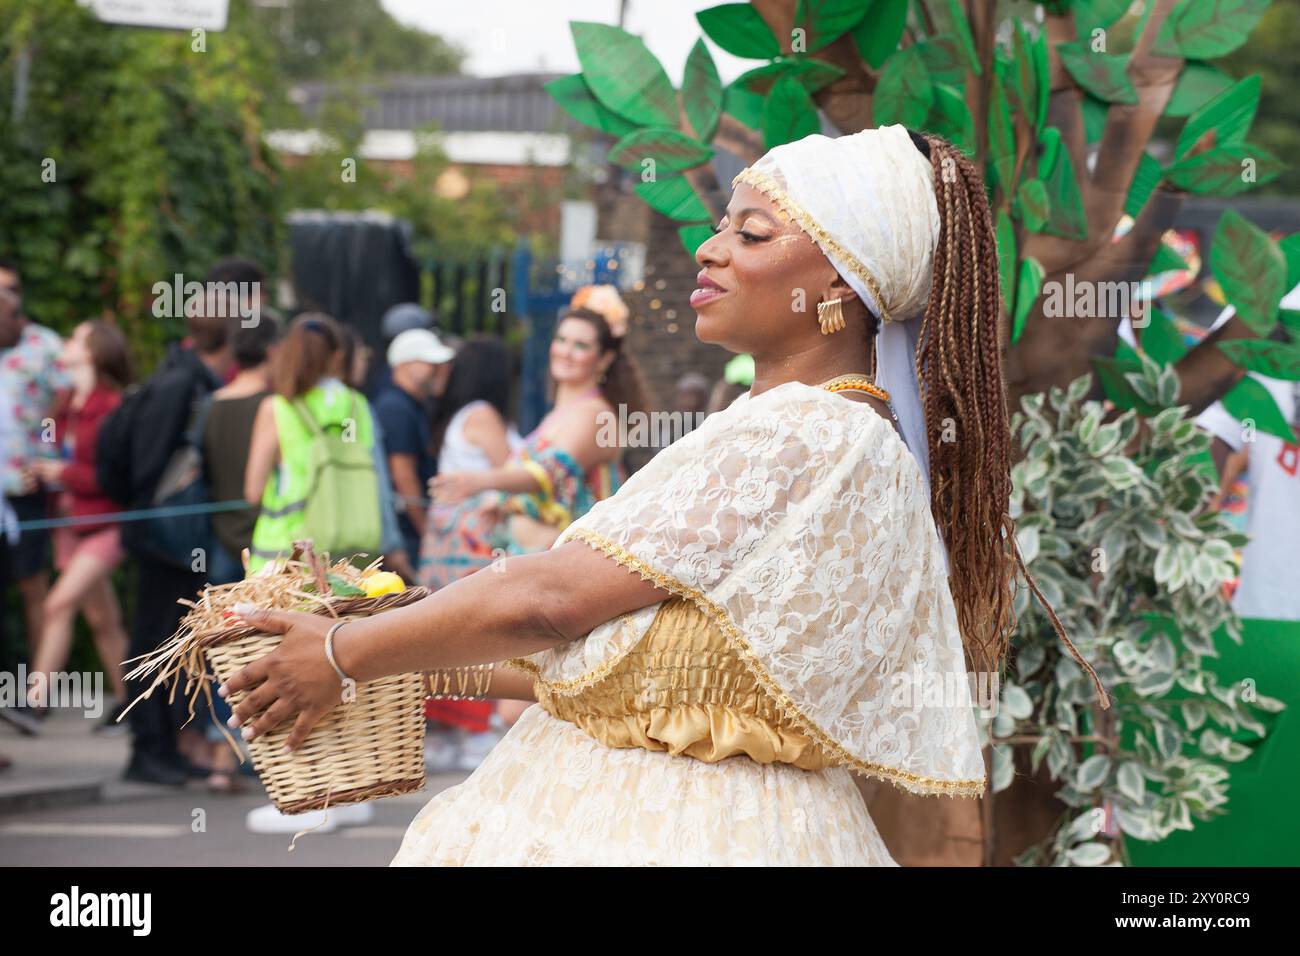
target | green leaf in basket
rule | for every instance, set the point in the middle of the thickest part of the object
(341, 588)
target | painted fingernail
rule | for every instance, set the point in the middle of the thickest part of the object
(247, 733)
(222, 691)
(233, 722)
(244, 609)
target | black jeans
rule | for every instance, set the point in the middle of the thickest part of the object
(154, 722)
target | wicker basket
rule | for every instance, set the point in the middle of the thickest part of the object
(361, 750)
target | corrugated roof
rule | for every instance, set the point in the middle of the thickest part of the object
(456, 103)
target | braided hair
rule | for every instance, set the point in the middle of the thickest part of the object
(959, 368)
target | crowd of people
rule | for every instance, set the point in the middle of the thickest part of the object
(208, 470)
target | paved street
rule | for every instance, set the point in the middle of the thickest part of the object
(132, 824)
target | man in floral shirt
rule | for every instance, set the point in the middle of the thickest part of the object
(31, 377)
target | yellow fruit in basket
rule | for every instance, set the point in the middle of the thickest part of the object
(383, 582)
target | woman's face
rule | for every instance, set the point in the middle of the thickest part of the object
(761, 280)
(575, 352)
(76, 353)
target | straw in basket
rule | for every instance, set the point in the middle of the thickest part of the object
(368, 746)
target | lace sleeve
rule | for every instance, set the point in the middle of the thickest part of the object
(798, 521)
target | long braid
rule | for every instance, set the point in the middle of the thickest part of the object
(959, 368)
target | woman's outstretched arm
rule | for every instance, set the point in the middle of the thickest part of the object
(518, 606)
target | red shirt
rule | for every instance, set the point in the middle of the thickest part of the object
(79, 430)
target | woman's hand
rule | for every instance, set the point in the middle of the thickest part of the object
(455, 486)
(293, 682)
(48, 470)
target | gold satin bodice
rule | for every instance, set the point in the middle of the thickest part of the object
(683, 690)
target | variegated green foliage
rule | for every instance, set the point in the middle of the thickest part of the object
(1111, 523)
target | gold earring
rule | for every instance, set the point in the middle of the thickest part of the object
(830, 315)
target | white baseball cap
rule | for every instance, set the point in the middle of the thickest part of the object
(419, 345)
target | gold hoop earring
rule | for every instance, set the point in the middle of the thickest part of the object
(830, 315)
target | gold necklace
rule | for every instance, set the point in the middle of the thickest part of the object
(856, 381)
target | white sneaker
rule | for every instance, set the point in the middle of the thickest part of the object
(353, 815)
(268, 819)
(475, 748)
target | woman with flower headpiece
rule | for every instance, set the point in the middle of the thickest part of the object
(792, 593)
(563, 467)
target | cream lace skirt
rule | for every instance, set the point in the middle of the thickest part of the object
(550, 794)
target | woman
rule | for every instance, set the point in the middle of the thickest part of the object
(309, 399)
(88, 551)
(790, 591)
(470, 434)
(564, 467)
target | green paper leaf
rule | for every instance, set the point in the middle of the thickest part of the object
(1197, 85)
(877, 34)
(1002, 137)
(1092, 15)
(671, 151)
(951, 118)
(1207, 29)
(1290, 248)
(1066, 216)
(1022, 82)
(702, 92)
(1165, 260)
(962, 27)
(1290, 319)
(1006, 238)
(624, 75)
(1029, 284)
(1161, 339)
(1034, 204)
(674, 197)
(904, 93)
(1094, 119)
(942, 56)
(1250, 400)
(694, 236)
(1145, 179)
(1229, 115)
(827, 20)
(738, 29)
(788, 113)
(575, 98)
(1225, 170)
(1251, 269)
(1103, 75)
(1274, 359)
(811, 74)
(744, 105)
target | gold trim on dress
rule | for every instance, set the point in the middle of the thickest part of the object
(773, 190)
(915, 783)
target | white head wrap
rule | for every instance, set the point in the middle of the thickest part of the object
(868, 201)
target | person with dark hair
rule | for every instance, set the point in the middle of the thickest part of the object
(564, 467)
(85, 553)
(782, 598)
(163, 420)
(470, 433)
(30, 374)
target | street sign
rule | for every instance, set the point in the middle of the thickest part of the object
(162, 14)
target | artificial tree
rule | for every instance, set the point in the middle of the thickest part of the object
(1058, 102)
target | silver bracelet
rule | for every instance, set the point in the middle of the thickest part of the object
(344, 679)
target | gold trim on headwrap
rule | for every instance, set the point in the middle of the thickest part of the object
(774, 191)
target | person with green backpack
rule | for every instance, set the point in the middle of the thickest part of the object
(311, 464)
